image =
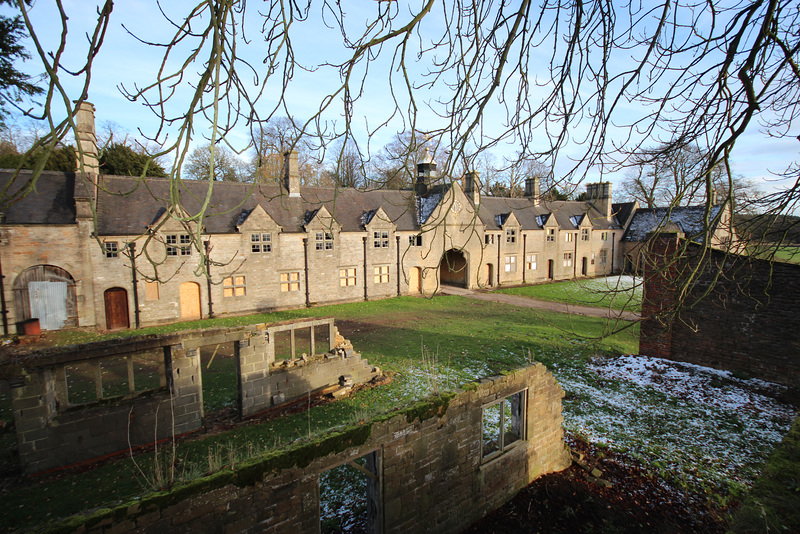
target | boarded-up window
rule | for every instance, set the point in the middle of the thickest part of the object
(347, 277)
(382, 274)
(233, 286)
(151, 290)
(290, 281)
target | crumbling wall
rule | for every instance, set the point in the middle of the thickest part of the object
(432, 468)
(746, 320)
(84, 402)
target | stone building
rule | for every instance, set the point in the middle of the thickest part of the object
(84, 249)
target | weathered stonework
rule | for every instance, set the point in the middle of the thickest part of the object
(429, 466)
(53, 430)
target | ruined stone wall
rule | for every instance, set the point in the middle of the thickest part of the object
(85, 402)
(747, 322)
(432, 474)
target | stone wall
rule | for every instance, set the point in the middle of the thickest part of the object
(432, 473)
(746, 320)
(85, 402)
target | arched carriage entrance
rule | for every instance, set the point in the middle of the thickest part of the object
(47, 293)
(453, 269)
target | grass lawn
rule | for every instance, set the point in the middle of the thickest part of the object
(618, 292)
(461, 340)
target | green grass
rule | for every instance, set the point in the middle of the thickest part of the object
(465, 339)
(617, 292)
(774, 503)
(773, 251)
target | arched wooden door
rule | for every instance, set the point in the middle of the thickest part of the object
(116, 301)
(414, 280)
(190, 300)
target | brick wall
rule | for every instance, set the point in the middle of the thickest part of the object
(431, 476)
(746, 322)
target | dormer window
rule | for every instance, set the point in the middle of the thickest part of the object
(551, 234)
(324, 241)
(260, 243)
(584, 234)
(179, 244)
(380, 239)
(511, 235)
(111, 248)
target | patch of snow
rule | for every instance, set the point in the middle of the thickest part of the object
(703, 426)
(426, 205)
(691, 220)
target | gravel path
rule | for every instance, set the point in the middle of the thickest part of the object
(526, 302)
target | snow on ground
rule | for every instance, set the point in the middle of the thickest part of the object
(700, 427)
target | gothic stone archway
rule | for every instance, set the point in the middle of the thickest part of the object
(453, 269)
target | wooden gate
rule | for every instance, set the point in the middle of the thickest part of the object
(116, 300)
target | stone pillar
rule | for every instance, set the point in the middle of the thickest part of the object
(186, 389)
(252, 362)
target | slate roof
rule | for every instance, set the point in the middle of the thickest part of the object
(495, 209)
(623, 211)
(127, 206)
(134, 207)
(52, 202)
(690, 220)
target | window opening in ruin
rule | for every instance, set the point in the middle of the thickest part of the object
(92, 380)
(503, 425)
(283, 345)
(322, 338)
(233, 286)
(260, 243)
(112, 249)
(324, 241)
(381, 274)
(349, 496)
(380, 239)
(302, 342)
(415, 240)
(220, 377)
(290, 281)
(347, 277)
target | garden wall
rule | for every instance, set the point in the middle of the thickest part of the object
(746, 322)
(437, 466)
(88, 401)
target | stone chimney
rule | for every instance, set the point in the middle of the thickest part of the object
(86, 139)
(532, 189)
(472, 186)
(426, 171)
(599, 195)
(291, 173)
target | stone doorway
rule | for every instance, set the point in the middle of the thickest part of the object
(453, 269)
(190, 300)
(116, 303)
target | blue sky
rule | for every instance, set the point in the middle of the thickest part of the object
(125, 61)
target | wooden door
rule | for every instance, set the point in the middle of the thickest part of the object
(116, 300)
(414, 280)
(190, 300)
